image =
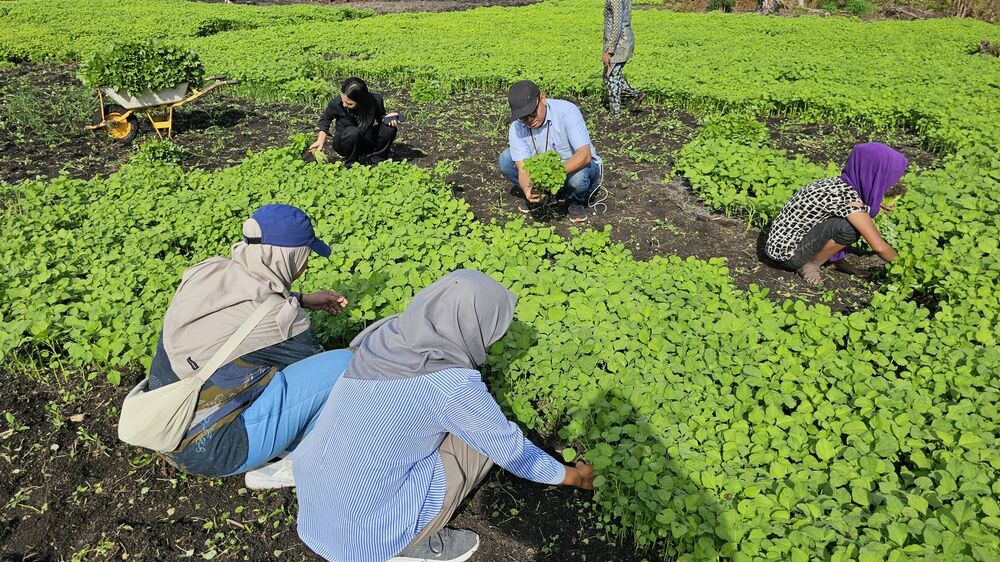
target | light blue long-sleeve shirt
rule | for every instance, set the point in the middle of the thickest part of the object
(369, 477)
(564, 131)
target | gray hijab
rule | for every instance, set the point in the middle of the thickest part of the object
(449, 324)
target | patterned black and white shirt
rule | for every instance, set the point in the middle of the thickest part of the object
(811, 205)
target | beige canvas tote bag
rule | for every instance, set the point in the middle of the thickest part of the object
(159, 419)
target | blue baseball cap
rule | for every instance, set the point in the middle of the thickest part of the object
(288, 227)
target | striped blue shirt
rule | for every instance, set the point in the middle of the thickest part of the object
(369, 477)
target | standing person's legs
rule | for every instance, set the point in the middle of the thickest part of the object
(618, 86)
(628, 90)
(282, 415)
(614, 83)
(507, 167)
(464, 469)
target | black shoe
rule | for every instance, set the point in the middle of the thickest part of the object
(638, 102)
(577, 213)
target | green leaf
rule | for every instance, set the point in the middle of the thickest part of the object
(825, 450)
(898, 533)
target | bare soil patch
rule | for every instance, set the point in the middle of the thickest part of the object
(44, 110)
(392, 6)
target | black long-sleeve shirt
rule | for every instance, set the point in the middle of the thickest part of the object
(342, 117)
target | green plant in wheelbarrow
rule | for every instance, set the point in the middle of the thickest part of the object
(138, 67)
(146, 77)
(547, 172)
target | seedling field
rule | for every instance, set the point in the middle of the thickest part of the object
(729, 413)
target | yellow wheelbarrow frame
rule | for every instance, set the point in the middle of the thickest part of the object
(121, 126)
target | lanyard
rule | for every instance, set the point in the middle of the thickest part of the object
(548, 127)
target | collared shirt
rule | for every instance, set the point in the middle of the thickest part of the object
(564, 131)
(369, 476)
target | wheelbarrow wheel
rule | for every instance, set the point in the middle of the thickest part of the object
(121, 129)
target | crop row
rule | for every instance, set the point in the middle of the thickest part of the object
(914, 74)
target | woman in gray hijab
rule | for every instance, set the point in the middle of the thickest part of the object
(262, 400)
(410, 429)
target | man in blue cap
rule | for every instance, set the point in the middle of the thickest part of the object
(265, 396)
(539, 124)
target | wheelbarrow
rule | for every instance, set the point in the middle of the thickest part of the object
(119, 119)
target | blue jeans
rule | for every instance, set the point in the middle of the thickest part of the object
(578, 187)
(287, 409)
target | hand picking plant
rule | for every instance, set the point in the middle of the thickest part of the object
(136, 67)
(547, 172)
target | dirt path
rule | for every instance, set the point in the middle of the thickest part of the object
(390, 6)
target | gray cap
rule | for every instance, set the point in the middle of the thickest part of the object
(523, 99)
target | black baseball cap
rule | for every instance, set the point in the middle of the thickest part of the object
(523, 99)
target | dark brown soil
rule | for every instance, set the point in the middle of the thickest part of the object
(71, 490)
(45, 110)
(390, 6)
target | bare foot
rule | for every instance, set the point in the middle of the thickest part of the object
(846, 267)
(810, 274)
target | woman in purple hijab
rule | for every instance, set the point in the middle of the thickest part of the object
(826, 216)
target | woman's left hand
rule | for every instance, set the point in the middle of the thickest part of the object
(393, 122)
(888, 207)
(329, 301)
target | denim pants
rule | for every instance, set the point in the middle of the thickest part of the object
(287, 409)
(578, 187)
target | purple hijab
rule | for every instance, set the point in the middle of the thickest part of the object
(871, 169)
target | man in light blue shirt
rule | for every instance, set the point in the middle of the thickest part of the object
(540, 124)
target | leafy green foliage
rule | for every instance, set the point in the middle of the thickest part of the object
(136, 67)
(428, 90)
(159, 151)
(547, 171)
(720, 423)
(732, 169)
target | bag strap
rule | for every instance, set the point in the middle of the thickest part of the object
(238, 336)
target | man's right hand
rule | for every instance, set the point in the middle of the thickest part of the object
(580, 476)
(318, 145)
(529, 194)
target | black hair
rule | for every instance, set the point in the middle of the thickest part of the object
(357, 91)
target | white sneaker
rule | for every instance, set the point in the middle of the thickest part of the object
(274, 475)
(447, 545)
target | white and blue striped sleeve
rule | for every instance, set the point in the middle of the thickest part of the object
(472, 415)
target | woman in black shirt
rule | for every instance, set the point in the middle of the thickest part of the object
(360, 135)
